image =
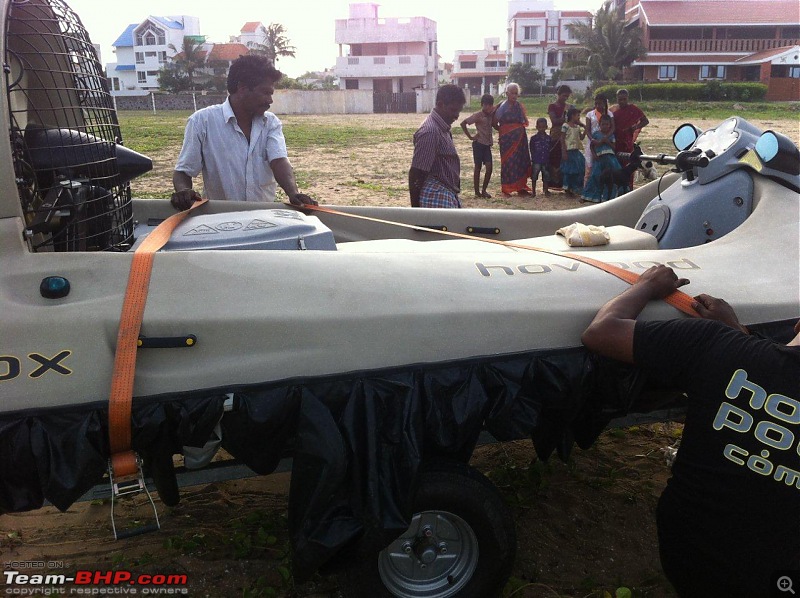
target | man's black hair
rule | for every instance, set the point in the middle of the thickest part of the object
(450, 94)
(487, 99)
(251, 70)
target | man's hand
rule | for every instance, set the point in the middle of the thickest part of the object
(661, 281)
(183, 199)
(713, 308)
(301, 199)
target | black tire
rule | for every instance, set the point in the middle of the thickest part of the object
(465, 512)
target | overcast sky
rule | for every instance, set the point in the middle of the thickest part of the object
(461, 24)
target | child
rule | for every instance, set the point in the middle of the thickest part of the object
(540, 156)
(481, 142)
(603, 158)
(572, 160)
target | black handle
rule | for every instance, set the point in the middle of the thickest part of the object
(167, 342)
(483, 230)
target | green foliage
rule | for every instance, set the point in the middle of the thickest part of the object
(607, 46)
(710, 91)
(526, 76)
(172, 79)
(189, 57)
(276, 43)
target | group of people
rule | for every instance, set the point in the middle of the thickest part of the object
(573, 156)
(724, 525)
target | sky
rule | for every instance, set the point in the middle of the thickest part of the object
(461, 24)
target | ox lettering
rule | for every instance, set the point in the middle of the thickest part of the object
(11, 366)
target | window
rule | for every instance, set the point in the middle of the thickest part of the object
(552, 33)
(794, 72)
(115, 83)
(351, 83)
(712, 72)
(162, 57)
(666, 72)
(567, 57)
(469, 65)
(150, 36)
(139, 57)
(404, 60)
(529, 58)
(378, 60)
(141, 76)
(530, 32)
(152, 73)
(352, 60)
(149, 54)
(552, 59)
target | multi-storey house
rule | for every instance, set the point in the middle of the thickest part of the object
(720, 40)
(542, 37)
(393, 55)
(480, 70)
(142, 50)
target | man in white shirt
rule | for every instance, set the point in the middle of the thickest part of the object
(238, 145)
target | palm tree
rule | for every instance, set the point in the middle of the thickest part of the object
(607, 45)
(190, 57)
(276, 43)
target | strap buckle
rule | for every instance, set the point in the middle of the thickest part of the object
(130, 485)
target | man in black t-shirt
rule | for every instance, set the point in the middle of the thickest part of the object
(729, 518)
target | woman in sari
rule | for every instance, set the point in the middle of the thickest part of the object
(557, 111)
(510, 120)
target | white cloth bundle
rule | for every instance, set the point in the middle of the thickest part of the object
(584, 235)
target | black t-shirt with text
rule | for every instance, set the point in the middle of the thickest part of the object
(732, 506)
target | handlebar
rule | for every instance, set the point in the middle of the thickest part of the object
(683, 161)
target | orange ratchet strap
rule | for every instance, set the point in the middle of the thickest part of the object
(677, 299)
(123, 459)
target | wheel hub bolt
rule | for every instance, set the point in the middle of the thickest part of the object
(427, 531)
(407, 547)
(442, 547)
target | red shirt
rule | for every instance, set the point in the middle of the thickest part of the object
(624, 118)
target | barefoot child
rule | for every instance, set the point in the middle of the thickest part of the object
(540, 156)
(573, 163)
(481, 142)
(602, 148)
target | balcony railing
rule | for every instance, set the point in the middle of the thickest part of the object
(699, 46)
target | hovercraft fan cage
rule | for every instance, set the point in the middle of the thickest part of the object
(71, 170)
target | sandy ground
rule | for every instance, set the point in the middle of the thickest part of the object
(377, 173)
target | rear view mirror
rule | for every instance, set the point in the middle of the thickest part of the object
(685, 136)
(779, 152)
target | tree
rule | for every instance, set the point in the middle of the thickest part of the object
(525, 76)
(190, 57)
(276, 43)
(172, 79)
(607, 45)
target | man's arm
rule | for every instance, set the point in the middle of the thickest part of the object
(184, 195)
(284, 175)
(416, 179)
(611, 332)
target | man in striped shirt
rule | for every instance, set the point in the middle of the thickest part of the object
(434, 179)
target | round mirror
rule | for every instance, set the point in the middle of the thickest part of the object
(767, 146)
(684, 137)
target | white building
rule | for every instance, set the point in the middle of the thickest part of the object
(480, 70)
(540, 36)
(143, 49)
(386, 55)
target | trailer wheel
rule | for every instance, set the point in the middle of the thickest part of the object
(461, 542)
